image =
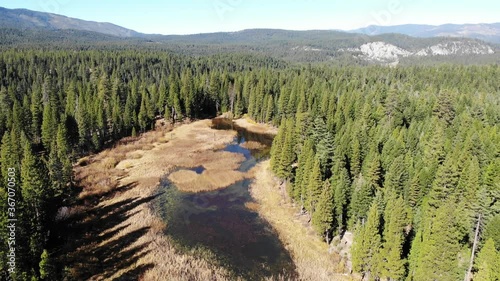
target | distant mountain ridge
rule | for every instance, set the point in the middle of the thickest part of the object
(22, 27)
(489, 32)
(26, 19)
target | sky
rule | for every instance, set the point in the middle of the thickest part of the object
(202, 16)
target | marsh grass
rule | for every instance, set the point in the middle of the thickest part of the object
(254, 127)
(209, 180)
(252, 145)
(110, 232)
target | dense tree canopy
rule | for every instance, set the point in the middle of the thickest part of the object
(412, 156)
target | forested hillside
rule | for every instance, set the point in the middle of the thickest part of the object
(408, 158)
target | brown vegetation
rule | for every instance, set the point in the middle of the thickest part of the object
(252, 145)
(251, 126)
(189, 181)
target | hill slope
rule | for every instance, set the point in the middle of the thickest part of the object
(27, 19)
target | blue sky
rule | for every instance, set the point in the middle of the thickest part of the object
(199, 16)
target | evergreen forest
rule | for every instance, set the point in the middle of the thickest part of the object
(407, 158)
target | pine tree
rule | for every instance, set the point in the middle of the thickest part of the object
(35, 195)
(443, 108)
(48, 126)
(55, 169)
(174, 98)
(489, 194)
(277, 147)
(239, 102)
(433, 150)
(36, 116)
(396, 177)
(322, 218)
(487, 262)
(468, 186)
(187, 91)
(393, 262)
(6, 155)
(161, 103)
(445, 183)
(313, 187)
(324, 146)
(366, 245)
(287, 158)
(355, 159)
(341, 185)
(269, 109)
(100, 132)
(361, 199)
(415, 256)
(372, 171)
(83, 121)
(142, 116)
(438, 253)
(116, 117)
(415, 192)
(492, 230)
(46, 267)
(303, 170)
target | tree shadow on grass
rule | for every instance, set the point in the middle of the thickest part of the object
(94, 243)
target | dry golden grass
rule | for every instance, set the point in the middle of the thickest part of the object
(220, 160)
(252, 126)
(223, 178)
(219, 172)
(110, 163)
(311, 256)
(252, 206)
(252, 145)
(134, 155)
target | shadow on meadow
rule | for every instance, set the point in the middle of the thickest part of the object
(92, 242)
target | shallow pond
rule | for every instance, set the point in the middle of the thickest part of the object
(220, 221)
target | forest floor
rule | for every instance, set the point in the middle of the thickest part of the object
(111, 233)
(311, 255)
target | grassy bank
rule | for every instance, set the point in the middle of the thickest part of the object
(311, 256)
